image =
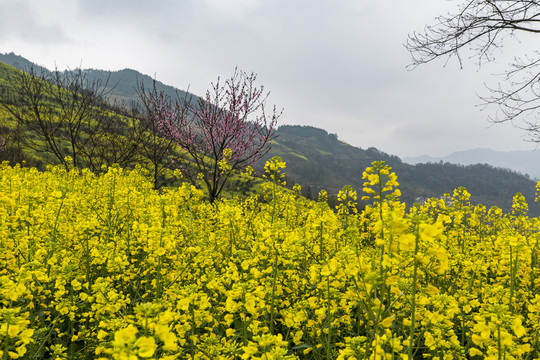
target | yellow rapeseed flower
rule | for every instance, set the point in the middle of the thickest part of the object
(146, 346)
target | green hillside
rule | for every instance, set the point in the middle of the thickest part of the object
(49, 122)
(319, 160)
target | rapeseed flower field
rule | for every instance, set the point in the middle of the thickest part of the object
(105, 267)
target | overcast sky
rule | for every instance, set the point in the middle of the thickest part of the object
(335, 64)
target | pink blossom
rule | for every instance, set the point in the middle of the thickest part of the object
(231, 116)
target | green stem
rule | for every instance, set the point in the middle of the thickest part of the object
(321, 242)
(413, 300)
(273, 201)
(192, 347)
(328, 315)
(191, 216)
(512, 279)
(272, 302)
(5, 341)
(533, 265)
(499, 345)
(232, 239)
(52, 244)
(70, 327)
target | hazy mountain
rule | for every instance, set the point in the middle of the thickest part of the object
(20, 62)
(122, 84)
(524, 162)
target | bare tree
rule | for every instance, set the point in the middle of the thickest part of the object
(60, 112)
(117, 140)
(11, 149)
(481, 27)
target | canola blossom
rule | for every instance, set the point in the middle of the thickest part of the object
(105, 267)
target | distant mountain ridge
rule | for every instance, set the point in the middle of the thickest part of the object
(522, 161)
(122, 84)
(19, 62)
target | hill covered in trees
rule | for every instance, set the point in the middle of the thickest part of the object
(319, 160)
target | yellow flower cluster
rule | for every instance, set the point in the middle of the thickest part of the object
(105, 267)
(223, 164)
(379, 175)
(273, 168)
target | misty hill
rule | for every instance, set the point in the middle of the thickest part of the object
(319, 160)
(122, 84)
(19, 62)
(525, 162)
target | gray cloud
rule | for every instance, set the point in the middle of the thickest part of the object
(21, 21)
(339, 65)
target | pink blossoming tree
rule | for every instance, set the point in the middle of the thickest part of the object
(226, 130)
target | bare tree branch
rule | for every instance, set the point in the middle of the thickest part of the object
(480, 27)
(60, 112)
